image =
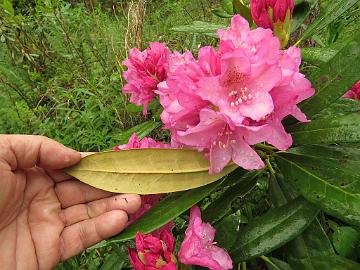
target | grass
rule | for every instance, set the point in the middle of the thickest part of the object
(68, 85)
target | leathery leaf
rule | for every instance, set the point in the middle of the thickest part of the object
(146, 171)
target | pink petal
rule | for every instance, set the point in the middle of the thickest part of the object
(134, 260)
(219, 158)
(245, 156)
(259, 107)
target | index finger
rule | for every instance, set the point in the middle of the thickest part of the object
(26, 151)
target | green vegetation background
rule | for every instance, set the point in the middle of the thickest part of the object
(60, 66)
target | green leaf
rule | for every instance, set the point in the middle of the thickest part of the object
(222, 206)
(334, 78)
(221, 13)
(199, 27)
(272, 230)
(315, 55)
(141, 131)
(346, 240)
(301, 13)
(327, 176)
(7, 6)
(146, 171)
(333, 11)
(241, 8)
(335, 129)
(341, 107)
(312, 242)
(117, 259)
(276, 194)
(276, 264)
(332, 262)
(226, 229)
(169, 208)
(227, 5)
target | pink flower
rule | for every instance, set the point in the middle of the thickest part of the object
(354, 92)
(235, 97)
(153, 252)
(223, 141)
(146, 142)
(145, 70)
(198, 246)
(293, 89)
(242, 89)
(275, 15)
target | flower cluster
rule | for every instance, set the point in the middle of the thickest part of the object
(157, 252)
(145, 70)
(228, 99)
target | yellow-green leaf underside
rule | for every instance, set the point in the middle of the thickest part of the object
(146, 171)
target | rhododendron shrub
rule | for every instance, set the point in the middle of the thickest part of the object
(247, 101)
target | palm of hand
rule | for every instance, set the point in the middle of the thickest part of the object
(45, 217)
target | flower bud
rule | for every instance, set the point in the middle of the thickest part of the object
(274, 14)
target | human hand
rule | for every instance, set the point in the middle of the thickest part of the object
(45, 216)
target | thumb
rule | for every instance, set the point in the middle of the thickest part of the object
(26, 151)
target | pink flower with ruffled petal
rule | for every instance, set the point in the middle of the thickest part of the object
(198, 247)
(242, 89)
(293, 89)
(145, 70)
(354, 92)
(153, 252)
(223, 141)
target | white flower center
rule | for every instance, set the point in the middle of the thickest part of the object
(237, 97)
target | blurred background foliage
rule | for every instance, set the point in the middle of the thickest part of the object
(60, 64)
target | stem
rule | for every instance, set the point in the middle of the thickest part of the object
(243, 266)
(268, 163)
(267, 148)
(266, 259)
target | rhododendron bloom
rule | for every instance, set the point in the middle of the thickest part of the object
(153, 252)
(235, 97)
(354, 92)
(146, 142)
(145, 70)
(274, 14)
(198, 247)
